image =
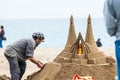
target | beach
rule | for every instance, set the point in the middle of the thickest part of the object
(44, 55)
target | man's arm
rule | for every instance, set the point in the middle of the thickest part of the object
(110, 18)
(38, 63)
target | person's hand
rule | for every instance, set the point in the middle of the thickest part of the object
(40, 64)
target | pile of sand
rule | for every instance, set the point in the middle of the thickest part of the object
(99, 72)
(4, 77)
(66, 71)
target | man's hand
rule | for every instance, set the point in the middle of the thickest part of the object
(40, 64)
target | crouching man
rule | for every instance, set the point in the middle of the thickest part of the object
(20, 51)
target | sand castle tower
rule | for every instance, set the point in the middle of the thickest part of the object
(71, 35)
(65, 55)
(90, 53)
(89, 33)
(91, 62)
(89, 36)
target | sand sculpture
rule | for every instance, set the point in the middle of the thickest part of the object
(91, 62)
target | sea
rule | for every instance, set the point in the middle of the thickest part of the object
(54, 30)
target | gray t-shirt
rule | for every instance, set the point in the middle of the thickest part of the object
(23, 48)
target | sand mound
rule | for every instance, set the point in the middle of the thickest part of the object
(48, 71)
(4, 77)
(98, 72)
(66, 71)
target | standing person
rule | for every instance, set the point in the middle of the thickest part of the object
(20, 51)
(112, 21)
(98, 42)
(2, 33)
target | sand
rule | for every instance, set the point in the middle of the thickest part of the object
(45, 55)
(42, 54)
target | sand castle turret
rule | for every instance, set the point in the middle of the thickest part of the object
(71, 35)
(89, 36)
(65, 55)
(89, 33)
(91, 62)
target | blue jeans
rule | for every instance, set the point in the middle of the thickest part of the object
(1, 46)
(117, 46)
(17, 68)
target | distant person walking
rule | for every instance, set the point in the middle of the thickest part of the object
(20, 51)
(2, 33)
(98, 42)
(112, 21)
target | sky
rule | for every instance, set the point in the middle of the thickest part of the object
(42, 9)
